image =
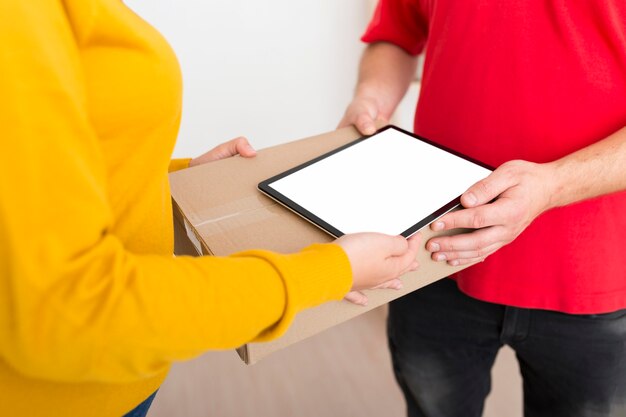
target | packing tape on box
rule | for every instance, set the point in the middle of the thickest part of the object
(228, 210)
(192, 237)
(237, 221)
(217, 220)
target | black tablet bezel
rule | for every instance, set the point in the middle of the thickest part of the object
(265, 188)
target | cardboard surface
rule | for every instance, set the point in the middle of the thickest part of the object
(218, 211)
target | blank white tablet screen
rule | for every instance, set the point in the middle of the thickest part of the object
(386, 183)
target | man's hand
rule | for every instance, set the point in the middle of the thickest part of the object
(377, 260)
(238, 146)
(499, 207)
(385, 73)
(363, 113)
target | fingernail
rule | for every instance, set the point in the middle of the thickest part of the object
(438, 226)
(454, 263)
(470, 199)
(434, 247)
(440, 257)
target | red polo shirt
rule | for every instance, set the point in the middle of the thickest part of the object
(532, 80)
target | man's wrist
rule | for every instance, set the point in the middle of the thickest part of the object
(559, 181)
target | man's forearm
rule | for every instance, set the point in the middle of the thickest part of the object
(385, 73)
(596, 170)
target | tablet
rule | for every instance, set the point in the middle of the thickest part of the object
(391, 182)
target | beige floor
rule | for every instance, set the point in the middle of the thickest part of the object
(343, 372)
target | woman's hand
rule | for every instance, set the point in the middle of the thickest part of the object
(237, 146)
(377, 260)
(499, 208)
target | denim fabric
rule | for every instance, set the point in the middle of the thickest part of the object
(142, 409)
(444, 343)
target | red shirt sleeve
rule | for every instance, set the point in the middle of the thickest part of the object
(401, 22)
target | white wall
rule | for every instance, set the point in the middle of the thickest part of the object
(272, 71)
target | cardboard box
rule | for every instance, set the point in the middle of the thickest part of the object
(218, 211)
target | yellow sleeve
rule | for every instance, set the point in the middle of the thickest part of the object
(75, 304)
(178, 164)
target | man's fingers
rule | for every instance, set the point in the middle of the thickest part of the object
(477, 240)
(474, 218)
(458, 262)
(470, 254)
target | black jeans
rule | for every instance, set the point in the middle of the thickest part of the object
(444, 343)
(142, 409)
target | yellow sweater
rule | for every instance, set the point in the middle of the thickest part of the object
(93, 306)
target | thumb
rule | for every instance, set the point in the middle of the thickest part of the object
(399, 265)
(406, 260)
(243, 147)
(485, 190)
(398, 246)
(366, 122)
(414, 242)
(221, 151)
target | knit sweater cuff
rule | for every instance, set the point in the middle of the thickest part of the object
(317, 274)
(178, 164)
